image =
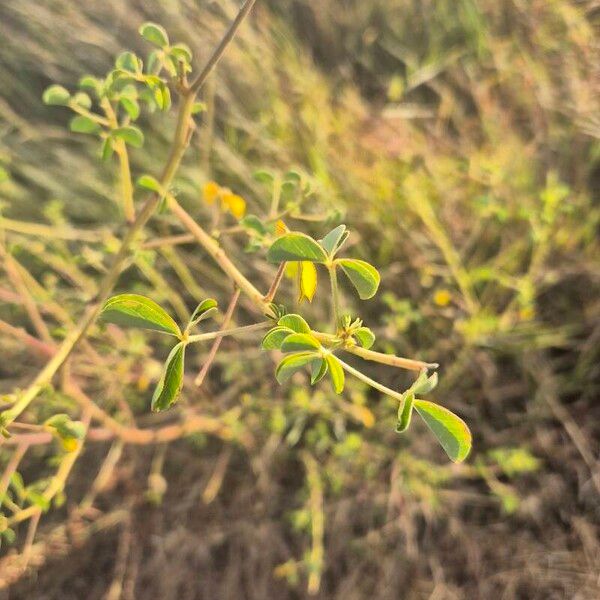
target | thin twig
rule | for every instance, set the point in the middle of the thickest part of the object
(215, 347)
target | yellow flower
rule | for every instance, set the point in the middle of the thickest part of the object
(236, 204)
(305, 274)
(442, 297)
(210, 192)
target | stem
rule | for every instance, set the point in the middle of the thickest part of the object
(215, 347)
(335, 296)
(218, 254)
(202, 337)
(126, 186)
(374, 384)
(229, 35)
(390, 359)
(273, 289)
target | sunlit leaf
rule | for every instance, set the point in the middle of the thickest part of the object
(450, 430)
(129, 62)
(205, 310)
(318, 368)
(155, 34)
(150, 183)
(162, 97)
(107, 148)
(336, 373)
(334, 240)
(81, 124)
(295, 323)
(65, 427)
(133, 310)
(56, 95)
(297, 342)
(365, 337)
(171, 381)
(405, 412)
(424, 383)
(131, 106)
(292, 363)
(181, 52)
(130, 134)
(364, 277)
(83, 100)
(275, 337)
(296, 246)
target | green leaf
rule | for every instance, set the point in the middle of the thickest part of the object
(155, 34)
(181, 52)
(292, 363)
(128, 61)
(296, 246)
(275, 337)
(424, 384)
(253, 223)
(405, 412)
(334, 240)
(203, 311)
(171, 382)
(107, 148)
(131, 106)
(83, 100)
(130, 134)
(336, 372)
(295, 323)
(150, 183)
(318, 369)
(162, 97)
(365, 337)
(263, 176)
(450, 430)
(65, 427)
(133, 310)
(90, 82)
(364, 277)
(56, 95)
(297, 342)
(81, 124)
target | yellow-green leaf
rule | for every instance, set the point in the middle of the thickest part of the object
(171, 382)
(297, 342)
(275, 337)
(133, 310)
(451, 431)
(363, 276)
(335, 239)
(155, 34)
(405, 412)
(336, 372)
(56, 95)
(295, 323)
(296, 246)
(292, 363)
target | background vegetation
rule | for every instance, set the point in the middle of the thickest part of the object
(459, 140)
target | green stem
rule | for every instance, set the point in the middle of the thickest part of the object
(203, 337)
(374, 384)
